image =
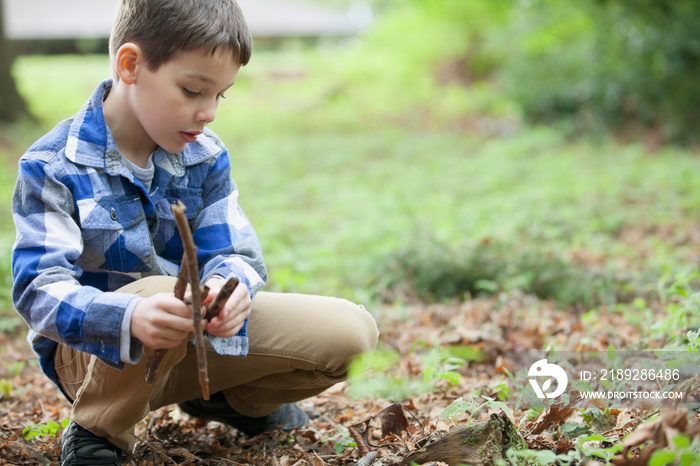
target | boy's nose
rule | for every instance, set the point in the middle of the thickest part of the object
(207, 113)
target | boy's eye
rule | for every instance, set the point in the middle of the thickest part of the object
(220, 96)
(190, 92)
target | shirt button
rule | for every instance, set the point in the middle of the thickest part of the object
(114, 215)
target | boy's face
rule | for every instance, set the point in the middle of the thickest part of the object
(174, 103)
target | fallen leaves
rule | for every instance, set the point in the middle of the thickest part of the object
(555, 415)
(374, 430)
(656, 435)
(392, 422)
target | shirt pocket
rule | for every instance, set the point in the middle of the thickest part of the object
(168, 243)
(190, 197)
(115, 233)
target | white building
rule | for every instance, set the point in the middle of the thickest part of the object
(92, 19)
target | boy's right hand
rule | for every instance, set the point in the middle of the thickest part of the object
(161, 321)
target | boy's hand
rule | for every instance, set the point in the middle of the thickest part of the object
(161, 321)
(233, 314)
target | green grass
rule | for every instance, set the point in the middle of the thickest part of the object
(338, 189)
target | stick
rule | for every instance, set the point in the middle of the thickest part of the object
(183, 227)
(364, 450)
(367, 459)
(159, 354)
(204, 294)
(181, 285)
(221, 297)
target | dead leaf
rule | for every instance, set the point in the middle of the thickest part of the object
(563, 445)
(625, 416)
(554, 415)
(393, 420)
(670, 423)
(318, 461)
(189, 457)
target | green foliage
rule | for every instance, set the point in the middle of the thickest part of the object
(541, 457)
(681, 452)
(344, 191)
(574, 430)
(49, 428)
(51, 104)
(344, 442)
(594, 64)
(14, 369)
(693, 341)
(5, 388)
(371, 374)
(604, 453)
(471, 405)
(7, 324)
(10, 323)
(435, 272)
(682, 309)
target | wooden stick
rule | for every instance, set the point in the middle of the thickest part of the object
(181, 285)
(364, 450)
(183, 227)
(222, 296)
(204, 294)
(159, 354)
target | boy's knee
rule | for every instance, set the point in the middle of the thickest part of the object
(364, 333)
(325, 332)
(355, 332)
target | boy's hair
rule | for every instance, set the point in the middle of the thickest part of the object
(163, 28)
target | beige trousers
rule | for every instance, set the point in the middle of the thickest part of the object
(300, 345)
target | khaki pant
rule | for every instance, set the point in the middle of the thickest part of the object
(300, 345)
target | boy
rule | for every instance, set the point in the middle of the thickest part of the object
(97, 248)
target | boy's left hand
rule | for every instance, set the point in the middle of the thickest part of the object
(234, 313)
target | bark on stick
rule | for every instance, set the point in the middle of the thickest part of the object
(221, 297)
(159, 354)
(183, 228)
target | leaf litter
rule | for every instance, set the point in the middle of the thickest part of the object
(374, 429)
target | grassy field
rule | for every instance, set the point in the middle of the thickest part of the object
(342, 192)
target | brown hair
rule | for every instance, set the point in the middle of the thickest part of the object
(162, 28)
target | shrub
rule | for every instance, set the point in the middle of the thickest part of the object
(627, 66)
(431, 271)
(608, 64)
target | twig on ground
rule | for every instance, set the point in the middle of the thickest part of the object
(364, 450)
(367, 459)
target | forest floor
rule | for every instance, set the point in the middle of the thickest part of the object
(345, 428)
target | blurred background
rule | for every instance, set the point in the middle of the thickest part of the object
(391, 151)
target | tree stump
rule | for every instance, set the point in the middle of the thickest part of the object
(479, 443)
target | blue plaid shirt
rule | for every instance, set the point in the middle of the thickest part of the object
(86, 226)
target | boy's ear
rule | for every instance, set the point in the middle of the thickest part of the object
(129, 59)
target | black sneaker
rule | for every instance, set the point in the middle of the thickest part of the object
(288, 417)
(79, 446)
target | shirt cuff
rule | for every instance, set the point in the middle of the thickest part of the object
(130, 349)
(236, 345)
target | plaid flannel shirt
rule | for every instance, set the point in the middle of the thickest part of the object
(86, 226)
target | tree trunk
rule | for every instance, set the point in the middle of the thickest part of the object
(12, 106)
(477, 444)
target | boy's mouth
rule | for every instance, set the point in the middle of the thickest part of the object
(189, 136)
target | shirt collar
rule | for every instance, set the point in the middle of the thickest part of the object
(90, 141)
